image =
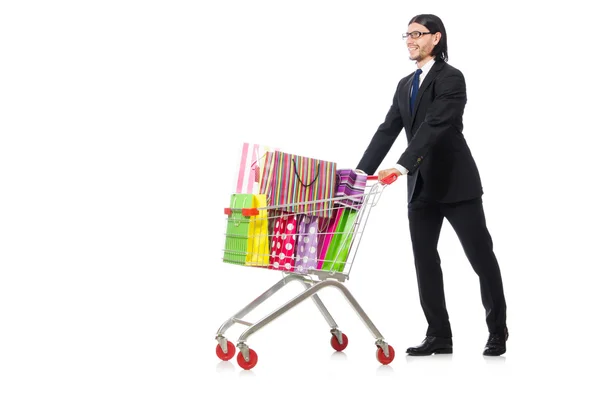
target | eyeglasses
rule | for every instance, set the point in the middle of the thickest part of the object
(414, 35)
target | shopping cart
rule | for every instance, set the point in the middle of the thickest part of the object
(252, 238)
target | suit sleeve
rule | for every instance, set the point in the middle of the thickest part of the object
(383, 139)
(443, 115)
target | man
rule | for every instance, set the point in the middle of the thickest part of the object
(443, 182)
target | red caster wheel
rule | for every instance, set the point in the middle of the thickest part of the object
(247, 364)
(381, 355)
(336, 344)
(230, 351)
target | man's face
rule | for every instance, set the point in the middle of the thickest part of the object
(421, 48)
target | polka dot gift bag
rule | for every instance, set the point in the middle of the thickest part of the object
(283, 243)
(307, 243)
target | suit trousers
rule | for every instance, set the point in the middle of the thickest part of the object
(468, 221)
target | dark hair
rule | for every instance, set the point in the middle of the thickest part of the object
(434, 24)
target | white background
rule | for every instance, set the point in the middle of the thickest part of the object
(120, 123)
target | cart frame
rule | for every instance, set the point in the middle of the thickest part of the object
(313, 281)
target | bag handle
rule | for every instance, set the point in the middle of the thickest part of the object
(298, 176)
(254, 165)
(238, 221)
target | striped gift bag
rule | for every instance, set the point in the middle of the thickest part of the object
(252, 159)
(290, 180)
(351, 186)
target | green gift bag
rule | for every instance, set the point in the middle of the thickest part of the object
(339, 247)
(238, 228)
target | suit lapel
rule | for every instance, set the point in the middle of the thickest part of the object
(437, 66)
(406, 90)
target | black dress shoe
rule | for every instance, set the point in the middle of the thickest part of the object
(431, 345)
(496, 344)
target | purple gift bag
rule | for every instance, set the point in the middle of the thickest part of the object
(307, 243)
(349, 183)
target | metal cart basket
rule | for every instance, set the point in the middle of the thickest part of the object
(274, 238)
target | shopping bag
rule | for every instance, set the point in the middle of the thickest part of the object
(339, 246)
(327, 235)
(238, 228)
(252, 157)
(307, 243)
(291, 180)
(283, 242)
(350, 185)
(258, 234)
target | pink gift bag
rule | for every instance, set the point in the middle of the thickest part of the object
(283, 243)
(252, 160)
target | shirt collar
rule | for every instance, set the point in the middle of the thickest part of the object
(426, 68)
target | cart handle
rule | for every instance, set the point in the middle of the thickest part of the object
(388, 180)
(245, 211)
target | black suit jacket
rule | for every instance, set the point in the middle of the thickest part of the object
(437, 156)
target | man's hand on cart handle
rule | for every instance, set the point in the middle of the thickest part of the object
(386, 177)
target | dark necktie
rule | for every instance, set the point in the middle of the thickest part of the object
(415, 89)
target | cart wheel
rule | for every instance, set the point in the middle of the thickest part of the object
(381, 355)
(247, 364)
(230, 351)
(336, 345)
